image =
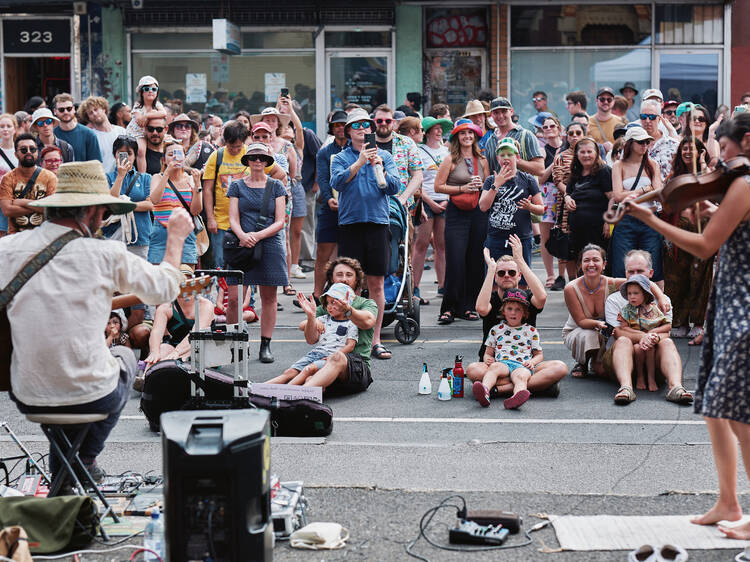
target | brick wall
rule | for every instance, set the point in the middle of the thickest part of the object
(501, 13)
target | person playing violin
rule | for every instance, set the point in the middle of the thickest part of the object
(722, 392)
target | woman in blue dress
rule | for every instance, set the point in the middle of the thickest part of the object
(723, 393)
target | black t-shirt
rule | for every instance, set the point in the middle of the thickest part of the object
(494, 318)
(589, 193)
(505, 217)
(153, 161)
(388, 146)
(549, 155)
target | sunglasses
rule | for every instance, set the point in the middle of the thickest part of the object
(575, 133)
(649, 116)
(150, 89)
(381, 121)
(605, 99)
(548, 127)
(257, 158)
(643, 142)
(538, 99)
(27, 149)
(65, 109)
(503, 272)
(155, 129)
(361, 125)
(668, 112)
(43, 122)
(182, 126)
(126, 138)
(699, 120)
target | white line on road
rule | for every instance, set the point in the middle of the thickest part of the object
(472, 341)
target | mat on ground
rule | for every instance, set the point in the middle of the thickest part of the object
(626, 532)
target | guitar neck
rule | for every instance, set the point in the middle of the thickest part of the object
(188, 289)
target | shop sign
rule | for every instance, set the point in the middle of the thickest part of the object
(36, 36)
(227, 37)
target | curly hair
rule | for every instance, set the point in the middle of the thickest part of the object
(359, 275)
(92, 102)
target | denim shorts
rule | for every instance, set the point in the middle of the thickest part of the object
(299, 203)
(513, 365)
(315, 357)
(432, 214)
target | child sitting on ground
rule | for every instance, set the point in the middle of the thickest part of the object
(642, 314)
(513, 350)
(116, 332)
(338, 333)
(222, 302)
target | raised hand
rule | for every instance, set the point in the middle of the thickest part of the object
(491, 264)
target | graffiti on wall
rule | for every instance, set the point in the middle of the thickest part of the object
(457, 30)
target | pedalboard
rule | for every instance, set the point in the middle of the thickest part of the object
(507, 519)
(468, 532)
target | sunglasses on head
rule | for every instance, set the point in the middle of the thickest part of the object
(668, 112)
(150, 89)
(155, 129)
(126, 138)
(504, 272)
(361, 125)
(43, 122)
(64, 109)
(649, 116)
(381, 121)
(699, 119)
(27, 149)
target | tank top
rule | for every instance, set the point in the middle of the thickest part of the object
(462, 172)
(179, 326)
(643, 182)
(169, 201)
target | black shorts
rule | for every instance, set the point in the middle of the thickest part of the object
(359, 378)
(369, 243)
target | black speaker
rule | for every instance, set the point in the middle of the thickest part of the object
(216, 485)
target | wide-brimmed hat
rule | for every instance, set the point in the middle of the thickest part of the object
(463, 125)
(183, 118)
(359, 115)
(283, 118)
(474, 107)
(516, 295)
(43, 113)
(258, 148)
(630, 85)
(83, 184)
(642, 281)
(338, 116)
(445, 124)
(637, 134)
(145, 81)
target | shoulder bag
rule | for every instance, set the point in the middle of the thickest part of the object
(201, 236)
(27, 272)
(241, 257)
(558, 244)
(468, 201)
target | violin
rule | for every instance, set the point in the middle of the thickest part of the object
(685, 190)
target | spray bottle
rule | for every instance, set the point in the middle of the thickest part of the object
(444, 390)
(425, 385)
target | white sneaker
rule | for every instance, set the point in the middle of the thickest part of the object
(297, 273)
(672, 553)
(645, 553)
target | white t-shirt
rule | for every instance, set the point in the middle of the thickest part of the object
(431, 159)
(106, 140)
(11, 154)
(335, 335)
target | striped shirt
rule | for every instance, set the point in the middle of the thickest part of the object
(169, 201)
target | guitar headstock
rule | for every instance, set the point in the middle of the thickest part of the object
(195, 286)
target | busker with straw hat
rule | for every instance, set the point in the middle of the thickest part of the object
(57, 315)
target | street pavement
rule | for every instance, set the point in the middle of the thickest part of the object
(393, 454)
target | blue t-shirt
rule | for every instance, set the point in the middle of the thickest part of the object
(140, 192)
(84, 142)
(505, 217)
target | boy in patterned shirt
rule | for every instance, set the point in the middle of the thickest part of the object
(513, 350)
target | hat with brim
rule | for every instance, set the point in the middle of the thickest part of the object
(260, 149)
(464, 125)
(474, 107)
(516, 295)
(43, 113)
(83, 184)
(637, 134)
(120, 314)
(261, 126)
(669, 103)
(538, 119)
(653, 93)
(445, 124)
(640, 280)
(630, 85)
(183, 118)
(507, 144)
(283, 119)
(340, 291)
(339, 116)
(684, 107)
(146, 80)
(359, 115)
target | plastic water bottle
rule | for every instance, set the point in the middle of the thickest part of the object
(444, 390)
(153, 536)
(425, 385)
(380, 176)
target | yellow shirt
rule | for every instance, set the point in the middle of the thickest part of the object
(230, 170)
(596, 128)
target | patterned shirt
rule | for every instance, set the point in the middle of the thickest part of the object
(516, 344)
(643, 318)
(406, 157)
(169, 202)
(662, 152)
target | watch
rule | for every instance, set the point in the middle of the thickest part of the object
(348, 313)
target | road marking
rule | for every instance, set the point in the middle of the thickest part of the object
(472, 341)
(530, 421)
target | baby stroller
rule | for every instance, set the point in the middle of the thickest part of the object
(400, 303)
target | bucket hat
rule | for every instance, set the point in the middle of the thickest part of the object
(630, 85)
(43, 113)
(464, 124)
(445, 124)
(283, 118)
(83, 184)
(640, 280)
(338, 116)
(259, 149)
(359, 115)
(183, 118)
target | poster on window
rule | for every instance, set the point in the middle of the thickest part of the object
(274, 82)
(220, 69)
(195, 88)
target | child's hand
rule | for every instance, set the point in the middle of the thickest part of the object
(529, 364)
(488, 360)
(321, 328)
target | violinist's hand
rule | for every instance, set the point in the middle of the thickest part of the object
(640, 212)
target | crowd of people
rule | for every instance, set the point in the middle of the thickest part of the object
(484, 192)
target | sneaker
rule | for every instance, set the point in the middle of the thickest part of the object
(481, 394)
(296, 272)
(97, 474)
(306, 268)
(559, 284)
(441, 291)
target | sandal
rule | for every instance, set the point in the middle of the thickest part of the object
(446, 318)
(679, 395)
(289, 291)
(550, 281)
(380, 351)
(579, 371)
(624, 396)
(697, 337)
(470, 315)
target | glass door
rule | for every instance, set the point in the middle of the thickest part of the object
(361, 78)
(453, 77)
(691, 75)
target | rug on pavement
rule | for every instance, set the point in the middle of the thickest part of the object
(620, 532)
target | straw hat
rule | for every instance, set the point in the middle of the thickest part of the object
(83, 184)
(283, 119)
(474, 107)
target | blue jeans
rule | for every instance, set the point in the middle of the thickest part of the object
(216, 249)
(631, 234)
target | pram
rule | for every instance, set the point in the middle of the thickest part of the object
(400, 303)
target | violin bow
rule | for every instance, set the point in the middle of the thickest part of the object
(695, 162)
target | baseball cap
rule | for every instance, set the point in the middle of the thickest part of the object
(508, 143)
(341, 292)
(500, 102)
(637, 134)
(516, 295)
(605, 90)
(652, 93)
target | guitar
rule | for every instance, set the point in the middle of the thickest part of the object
(190, 288)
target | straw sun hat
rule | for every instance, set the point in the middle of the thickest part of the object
(83, 184)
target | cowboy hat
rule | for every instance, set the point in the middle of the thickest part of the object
(474, 107)
(259, 149)
(283, 119)
(83, 184)
(183, 118)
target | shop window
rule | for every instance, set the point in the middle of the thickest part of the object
(455, 27)
(686, 25)
(277, 40)
(222, 84)
(580, 25)
(171, 41)
(358, 39)
(558, 72)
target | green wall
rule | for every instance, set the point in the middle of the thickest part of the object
(114, 58)
(408, 51)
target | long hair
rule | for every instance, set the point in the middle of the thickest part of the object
(456, 150)
(679, 166)
(576, 168)
(568, 127)
(12, 119)
(359, 275)
(649, 167)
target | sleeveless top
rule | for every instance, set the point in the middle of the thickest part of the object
(169, 201)
(643, 182)
(570, 324)
(178, 326)
(463, 170)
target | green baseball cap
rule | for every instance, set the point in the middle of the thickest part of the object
(508, 143)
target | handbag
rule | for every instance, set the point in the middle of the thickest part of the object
(467, 201)
(241, 257)
(11, 289)
(201, 236)
(558, 244)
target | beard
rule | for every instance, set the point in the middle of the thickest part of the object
(383, 132)
(28, 161)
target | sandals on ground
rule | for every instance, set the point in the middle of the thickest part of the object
(679, 395)
(579, 371)
(446, 317)
(698, 339)
(624, 396)
(289, 291)
(470, 315)
(379, 351)
(550, 281)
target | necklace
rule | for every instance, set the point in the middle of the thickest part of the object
(589, 289)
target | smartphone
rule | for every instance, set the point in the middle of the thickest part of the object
(122, 158)
(285, 92)
(370, 140)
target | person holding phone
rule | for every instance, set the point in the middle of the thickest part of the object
(364, 209)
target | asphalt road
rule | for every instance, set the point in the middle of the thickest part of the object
(393, 453)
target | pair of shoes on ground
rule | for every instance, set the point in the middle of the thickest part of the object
(296, 272)
(558, 285)
(677, 394)
(664, 553)
(483, 397)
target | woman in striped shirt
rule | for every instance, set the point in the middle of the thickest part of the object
(164, 194)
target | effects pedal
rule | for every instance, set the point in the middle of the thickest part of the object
(468, 532)
(506, 519)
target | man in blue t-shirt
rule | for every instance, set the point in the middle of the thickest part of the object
(82, 139)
